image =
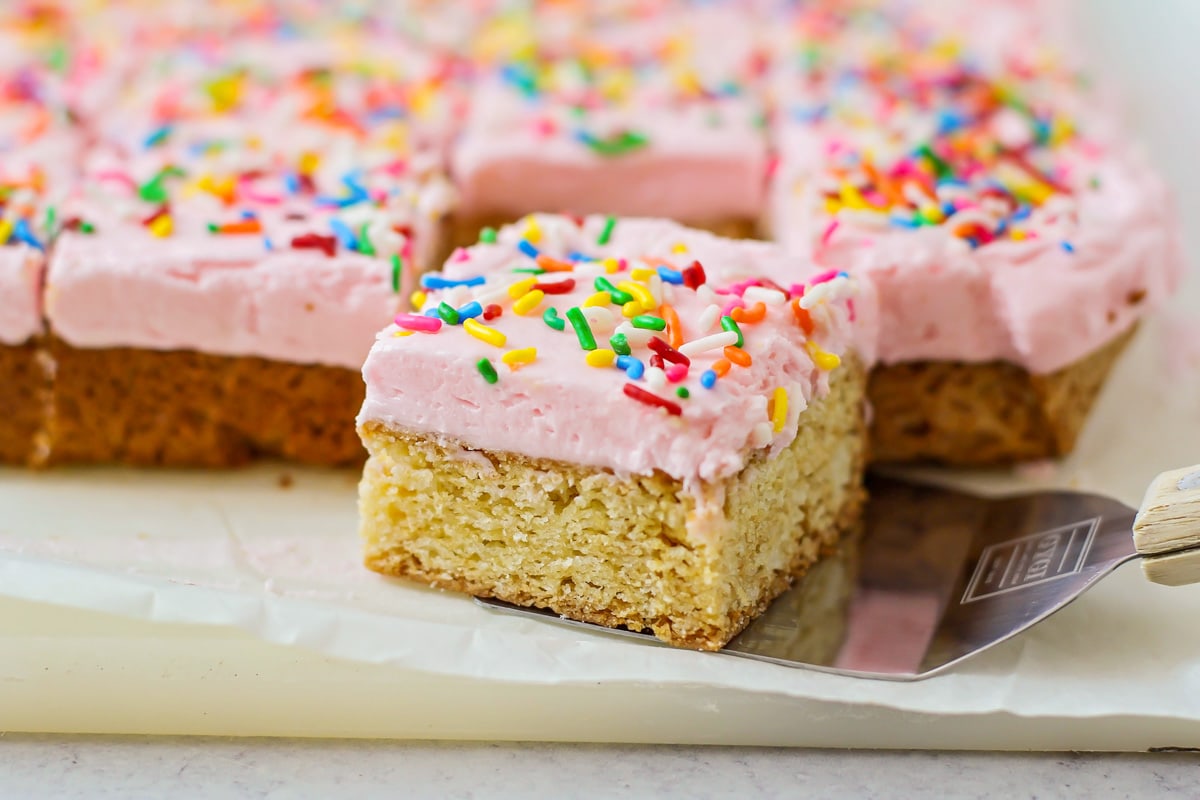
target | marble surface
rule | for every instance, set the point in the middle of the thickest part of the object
(136, 767)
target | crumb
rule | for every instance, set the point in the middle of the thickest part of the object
(286, 480)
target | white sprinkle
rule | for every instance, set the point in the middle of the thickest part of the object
(764, 294)
(656, 288)
(706, 294)
(762, 434)
(709, 317)
(600, 319)
(711, 342)
(656, 378)
(635, 336)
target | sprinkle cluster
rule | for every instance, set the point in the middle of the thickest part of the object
(627, 323)
(918, 132)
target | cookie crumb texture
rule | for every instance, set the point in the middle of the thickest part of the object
(23, 387)
(616, 550)
(983, 414)
(184, 408)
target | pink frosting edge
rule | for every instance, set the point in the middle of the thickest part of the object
(21, 273)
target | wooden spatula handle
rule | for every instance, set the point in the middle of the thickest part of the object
(1167, 528)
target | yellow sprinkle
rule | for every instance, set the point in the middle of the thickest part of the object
(779, 409)
(402, 333)
(852, 198)
(309, 162)
(529, 301)
(6, 229)
(640, 293)
(641, 273)
(932, 213)
(611, 266)
(520, 288)
(679, 247)
(520, 357)
(417, 300)
(485, 334)
(598, 299)
(823, 360)
(533, 231)
(162, 226)
(601, 358)
(631, 309)
(1017, 235)
(832, 205)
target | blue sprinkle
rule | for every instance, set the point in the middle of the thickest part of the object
(1022, 213)
(1070, 248)
(528, 249)
(902, 221)
(1001, 227)
(433, 281)
(22, 234)
(575, 255)
(343, 233)
(634, 368)
(843, 274)
(971, 240)
(948, 209)
(708, 379)
(248, 214)
(470, 310)
(292, 181)
(670, 275)
(432, 312)
(267, 243)
(157, 137)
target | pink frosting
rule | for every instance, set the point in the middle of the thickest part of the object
(1031, 303)
(20, 288)
(560, 408)
(704, 154)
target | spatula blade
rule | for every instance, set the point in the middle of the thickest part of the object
(937, 576)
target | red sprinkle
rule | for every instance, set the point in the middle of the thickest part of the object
(642, 396)
(677, 372)
(693, 275)
(657, 361)
(556, 287)
(315, 241)
(492, 311)
(667, 352)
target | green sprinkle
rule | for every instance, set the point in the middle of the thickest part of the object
(213, 227)
(584, 331)
(940, 167)
(87, 227)
(51, 217)
(550, 317)
(397, 271)
(647, 322)
(152, 191)
(487, 235)
(617, 145)
(620, 344)
(447, 313)
(682, 393)
(487, 370)
(530, 270)
(603, 284)
(364, 241)
(730, 324)
(606, 234)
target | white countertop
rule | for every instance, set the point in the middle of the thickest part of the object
(136, 767)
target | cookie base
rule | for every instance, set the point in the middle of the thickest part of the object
(185, 408)
(983, 414)
(23, 395)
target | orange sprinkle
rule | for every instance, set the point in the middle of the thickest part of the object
(721, 366)
(674, 327)
(243, 226)
(553, 264)
(803, 317)
(753, 314)
(737, 355)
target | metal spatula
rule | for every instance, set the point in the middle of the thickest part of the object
(941, 575)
